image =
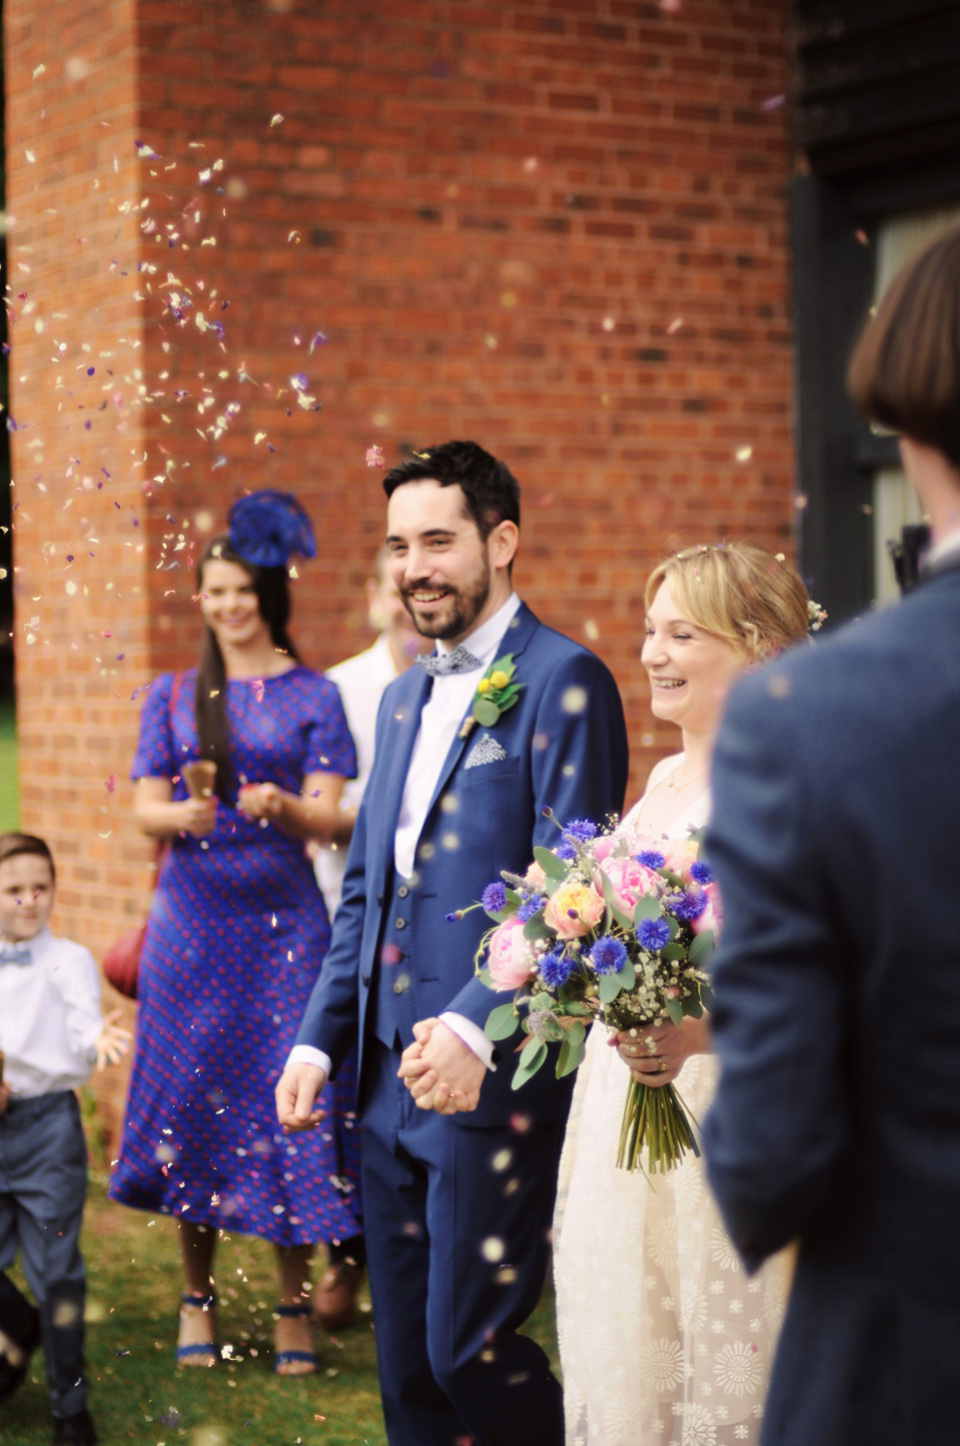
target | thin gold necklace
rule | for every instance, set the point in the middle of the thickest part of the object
(681, 787)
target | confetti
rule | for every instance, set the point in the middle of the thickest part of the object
(276, 120)
(110, 783)
(374, 456)
(743, 454)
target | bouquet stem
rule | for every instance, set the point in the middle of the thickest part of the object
(655, 1118)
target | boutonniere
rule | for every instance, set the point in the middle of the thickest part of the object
(496, 692)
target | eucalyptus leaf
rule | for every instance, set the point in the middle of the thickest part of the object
(706, 997)
(501, 1022)
(674, 1009)
(532, 1056)
(535, 928)
(485, 712)
(672, 951)
(608, 988)
(647, 908)
(571, 1052)
(626, 975)
(553, 867)
(702, 947)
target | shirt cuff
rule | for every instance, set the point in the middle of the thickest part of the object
(472, 1036)
(306, 1054)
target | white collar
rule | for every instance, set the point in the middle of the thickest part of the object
(484, 639)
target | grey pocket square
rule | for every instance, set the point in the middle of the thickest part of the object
(485, 750)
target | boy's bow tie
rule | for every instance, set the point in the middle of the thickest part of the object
(15, 954)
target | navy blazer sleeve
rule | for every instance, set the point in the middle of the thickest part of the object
(579, 770)
(780, 1123)
(331, 1019)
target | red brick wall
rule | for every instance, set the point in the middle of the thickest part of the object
(555, 226)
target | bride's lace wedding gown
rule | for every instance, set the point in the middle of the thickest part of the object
(663, 1339)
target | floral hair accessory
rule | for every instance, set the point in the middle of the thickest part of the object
(268, 527)
(496, 692)
(816, 615)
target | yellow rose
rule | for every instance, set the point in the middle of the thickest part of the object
(573, 910)
(484, 685)
(498, 679)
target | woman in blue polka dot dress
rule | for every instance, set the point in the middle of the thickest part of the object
(237, 932)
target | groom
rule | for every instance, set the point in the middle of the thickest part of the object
(457, 1205)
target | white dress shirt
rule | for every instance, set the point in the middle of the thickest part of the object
(440, 721)
(49, 1017)
(361, 681)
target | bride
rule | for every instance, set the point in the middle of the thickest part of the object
(663, 1339)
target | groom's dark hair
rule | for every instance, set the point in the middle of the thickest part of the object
(490, 490)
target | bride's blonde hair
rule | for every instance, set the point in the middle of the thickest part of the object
(749, 597)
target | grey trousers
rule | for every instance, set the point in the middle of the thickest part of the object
(43, 1185)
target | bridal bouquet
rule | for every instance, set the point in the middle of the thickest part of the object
(607, 926)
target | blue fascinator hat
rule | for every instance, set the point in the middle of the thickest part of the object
(268, 527)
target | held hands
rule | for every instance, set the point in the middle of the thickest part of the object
(440, 1071)
(113, 1041)
(198, 816)
(656, 1053)
(296, 1096)
(5, 1093)
(261, 800)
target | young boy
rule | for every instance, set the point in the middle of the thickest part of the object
(51, 1034)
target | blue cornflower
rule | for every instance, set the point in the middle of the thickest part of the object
(556, 968)
(654, 934)
(530, 907)
(651, 859)
(494, 897)
(689, 905)
(608, 956)
(580, 829)
(703, 873)
(565, 851)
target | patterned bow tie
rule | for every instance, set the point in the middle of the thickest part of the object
(15, 954)
(460, 660)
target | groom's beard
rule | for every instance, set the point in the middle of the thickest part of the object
(457, 612)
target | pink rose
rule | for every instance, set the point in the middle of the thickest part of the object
(630, 880)
(575, 909)
(509, 955)
(603, 847)
(712, 916)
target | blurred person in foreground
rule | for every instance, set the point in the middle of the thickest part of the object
(51, 1034)
(836, 785)
(361, 680)
(236, 934)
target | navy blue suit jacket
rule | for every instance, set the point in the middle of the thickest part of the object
(836, 841)
(566, 747)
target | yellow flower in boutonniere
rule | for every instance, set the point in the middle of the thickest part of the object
(496, 692)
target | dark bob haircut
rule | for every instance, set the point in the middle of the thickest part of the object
(490, 490)
(905, 370)
(14, 845)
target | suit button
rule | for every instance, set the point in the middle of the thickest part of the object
(402, 892)
(366, 979)
(380, 901)
(399, 923)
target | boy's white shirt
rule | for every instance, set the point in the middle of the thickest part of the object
(49, 1017)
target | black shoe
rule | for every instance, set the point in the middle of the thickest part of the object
(11, 1376)
(75, 1430)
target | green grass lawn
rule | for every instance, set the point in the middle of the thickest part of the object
(138, 1395)
(9, 778)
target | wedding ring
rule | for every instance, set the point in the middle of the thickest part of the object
(663, 1064)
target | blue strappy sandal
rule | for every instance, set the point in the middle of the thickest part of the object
(204, 1352)
(289, 1358)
